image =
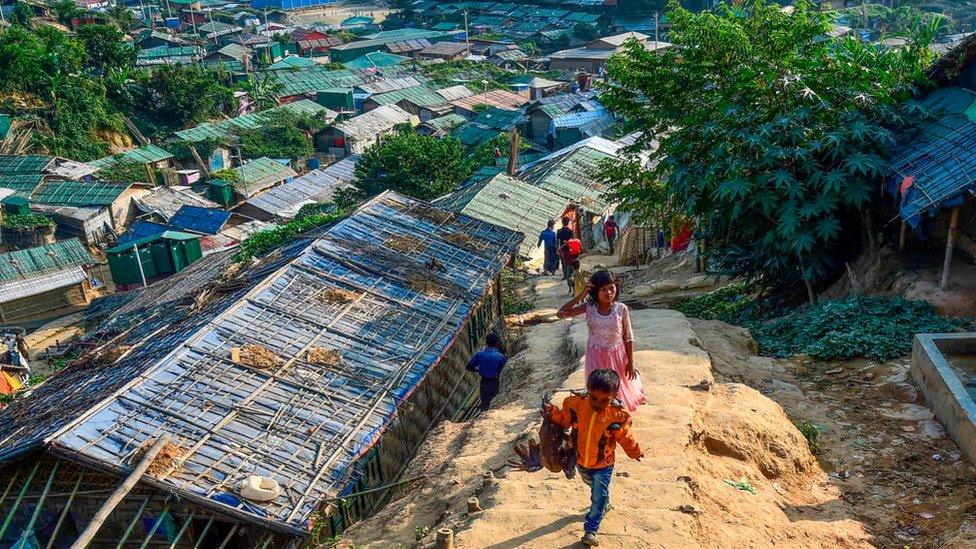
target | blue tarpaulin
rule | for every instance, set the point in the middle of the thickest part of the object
(199, 220)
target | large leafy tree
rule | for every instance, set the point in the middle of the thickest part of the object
(177, 96)
(770, 136)
(106, 49)
(419, 166)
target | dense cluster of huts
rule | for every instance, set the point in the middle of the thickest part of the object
(266, 403)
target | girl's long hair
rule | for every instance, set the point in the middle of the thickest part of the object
(600, 279)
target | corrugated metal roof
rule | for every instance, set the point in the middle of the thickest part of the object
(291, 62)
(499, 119)
(148, 154)
(421, 96)
(408, 46)
(259, 174)
(494, 98)
(18, 289)
(20, 164)
(374, 122)
(33, 262)
(388, 340)
(385, 85)
(572, 173)
(375, 60)
(79, 194)
(447, 122)
(23, 184)
(199, 220)
(472, 135)
(224, 128)
(454, 92)
(167, 234)
(508, 202)
(445, 48)
(313, 79)
(315, 186)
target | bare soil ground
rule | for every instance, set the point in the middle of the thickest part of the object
(335, 14)
(907, 483)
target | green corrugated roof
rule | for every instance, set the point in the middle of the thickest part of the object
(472, 135)
(377, 60)
(499, 119)
(161, 52)
(25, 264)
(446, 122)
(224, 128)
(292, 62)
(402, 34)
(78, 194)
(29, 163)
(259, 174)
(313, 79)
(23, 184)
(510, 203)
(421, 96)
(573, 176)
(356, 20)
(149, 154)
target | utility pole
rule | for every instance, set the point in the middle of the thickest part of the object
(656, 34)
(212, 27)
(467, 37)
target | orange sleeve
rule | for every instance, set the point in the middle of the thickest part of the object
(562, 417)
(627, 441)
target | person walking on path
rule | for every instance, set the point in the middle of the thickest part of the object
(598, 424)
(610, 229)
(488, 363)
(610, 339)
(551, 260)
(564, 235)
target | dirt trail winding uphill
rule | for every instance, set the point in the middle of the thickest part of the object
(677, 496)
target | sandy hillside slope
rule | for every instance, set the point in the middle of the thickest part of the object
(676, 497)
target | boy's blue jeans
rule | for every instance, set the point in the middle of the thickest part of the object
(599, 482)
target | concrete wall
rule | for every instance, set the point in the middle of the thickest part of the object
(943, 390)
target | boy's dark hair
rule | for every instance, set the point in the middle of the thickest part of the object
(600, 279)
(565, 221)
(576, 264)
(492, 340)
(603, 379)
(551, 223)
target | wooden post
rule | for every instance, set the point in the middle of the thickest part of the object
(902, 236)
(445, 538)
(950, 244)
(119, 494)
(514, 142)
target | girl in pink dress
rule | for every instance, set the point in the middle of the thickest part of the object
(610, 341)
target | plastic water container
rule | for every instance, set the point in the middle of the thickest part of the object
(313, 163)
(258, 488)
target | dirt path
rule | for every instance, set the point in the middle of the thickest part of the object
(678, 496)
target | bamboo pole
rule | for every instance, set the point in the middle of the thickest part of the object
(119, 494)
(902, 236)
(950, 244)
(28, 531)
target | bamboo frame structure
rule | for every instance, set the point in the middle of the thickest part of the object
(402, 344)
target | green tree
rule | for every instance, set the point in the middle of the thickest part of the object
(584, 31)
(771, 136)
(66, 10)
(22, 14)
(121, 16)
(285, 135)
(177, 96)
(423, 167)
(106, 49)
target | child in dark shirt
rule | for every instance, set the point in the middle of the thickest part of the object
(489, 363)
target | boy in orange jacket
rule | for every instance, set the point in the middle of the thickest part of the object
(598, 423)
